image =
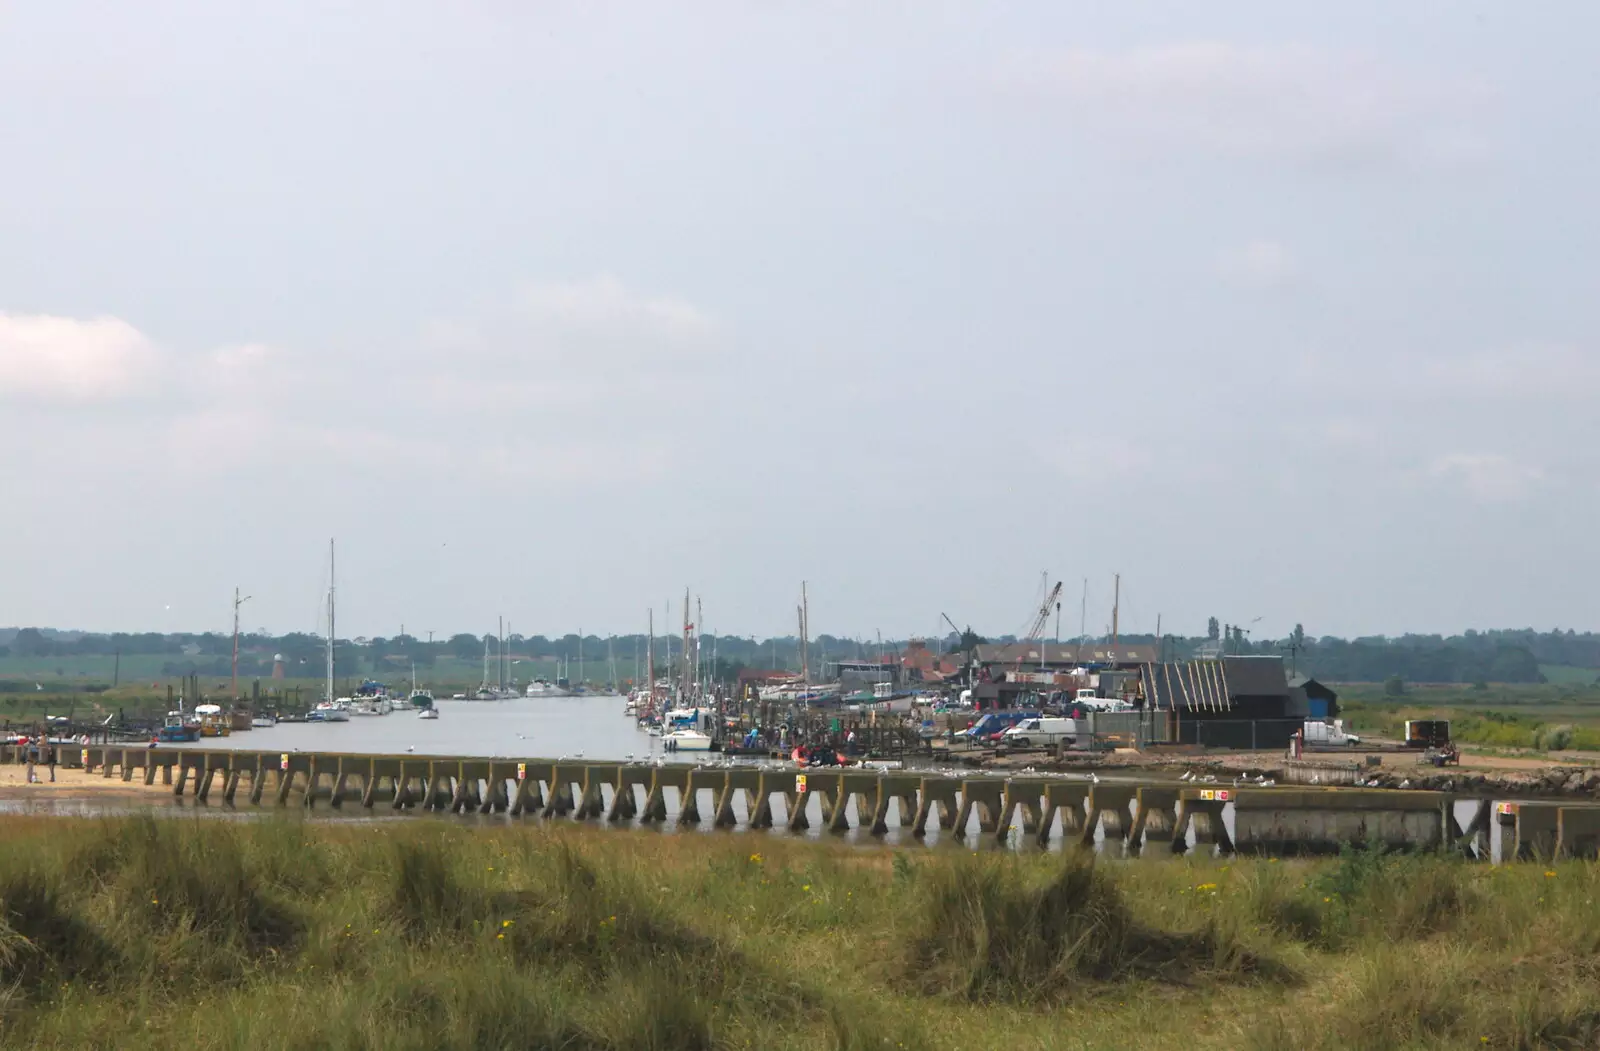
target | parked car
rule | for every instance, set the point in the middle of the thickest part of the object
(1045, 730)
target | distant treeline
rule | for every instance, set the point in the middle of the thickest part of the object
(1509, 656)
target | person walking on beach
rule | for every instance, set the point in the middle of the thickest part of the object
(50, 760)
(33, 757)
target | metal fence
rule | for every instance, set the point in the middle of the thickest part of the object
(1138, 729)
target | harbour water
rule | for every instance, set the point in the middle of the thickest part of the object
(589, 727)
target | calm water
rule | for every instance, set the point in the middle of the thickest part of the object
(534, 727)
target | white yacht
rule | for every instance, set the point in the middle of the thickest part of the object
(336, 711)
(686, 740)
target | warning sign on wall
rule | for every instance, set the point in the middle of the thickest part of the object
(522, 771)
(800, 782)
(283, 761)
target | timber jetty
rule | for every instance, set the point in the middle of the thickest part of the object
(1130, 815)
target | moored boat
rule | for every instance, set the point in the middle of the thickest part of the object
(214, 722)
(686, 740)
(180, 726)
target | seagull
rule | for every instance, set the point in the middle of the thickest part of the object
(1406, 783)
(1268, 783)
(1094, 777)
(1209, 779)
(1316, 779)
(1238, 781)
(1188, 775)
(411, 748)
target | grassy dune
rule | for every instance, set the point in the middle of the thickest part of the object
(166, 932)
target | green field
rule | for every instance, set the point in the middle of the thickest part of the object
(1562, 675)
(411, 934)
(1545, 717)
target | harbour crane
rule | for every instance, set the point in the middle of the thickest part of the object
(1042, 618)
(1036, 630)
(959, 633)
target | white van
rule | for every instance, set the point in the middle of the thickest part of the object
(1045, 730)
(1319, 732)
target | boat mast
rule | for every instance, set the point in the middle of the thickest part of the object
(805, 637)
(330, 621)
(237, 602)
(650, 658)
(1116, 608)
(686, 673)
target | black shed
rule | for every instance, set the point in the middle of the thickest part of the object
(1234, 702)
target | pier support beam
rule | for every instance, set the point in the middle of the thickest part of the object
(901, 790)
(1108, 806)
(939, 798)
(983, 796)
(1022, 795)
(1156, 822)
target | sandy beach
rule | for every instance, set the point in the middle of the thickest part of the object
(77, 784)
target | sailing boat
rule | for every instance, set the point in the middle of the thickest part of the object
(330, 710)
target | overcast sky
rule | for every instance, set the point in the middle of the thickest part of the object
(547, 310)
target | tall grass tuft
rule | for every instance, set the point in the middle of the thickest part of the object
(991, 929)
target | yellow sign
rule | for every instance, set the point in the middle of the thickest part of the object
(1206, 793)
(283, 761)
(1505, 808)
(522, 771)
(800, 782)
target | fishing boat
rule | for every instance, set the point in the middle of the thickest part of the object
(262, 720)
(179, 726)
(421, 699)
(214, 722)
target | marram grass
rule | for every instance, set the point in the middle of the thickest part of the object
(194, 933)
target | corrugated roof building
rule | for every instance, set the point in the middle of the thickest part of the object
(1235, 702)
